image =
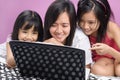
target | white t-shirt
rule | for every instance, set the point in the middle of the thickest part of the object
(3, 52)
(81, 41)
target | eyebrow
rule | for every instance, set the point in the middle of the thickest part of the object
(62, 23)
(92, 19)
(65, 23)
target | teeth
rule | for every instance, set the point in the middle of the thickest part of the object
(59, 36)
(27, 40)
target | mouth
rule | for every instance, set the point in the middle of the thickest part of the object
(27, 41)
(86, 32)
(59, 36)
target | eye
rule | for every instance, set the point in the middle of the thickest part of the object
(24, 31)
(65, 24)
(35, 32)
(92, 23)
(54, 25)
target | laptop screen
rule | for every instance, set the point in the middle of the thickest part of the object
(49, 62)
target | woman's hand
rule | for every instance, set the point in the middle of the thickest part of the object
(101, 48)
(53, 41)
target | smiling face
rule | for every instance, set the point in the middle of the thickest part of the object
(60, 30)
(28, 35)
(89, 23)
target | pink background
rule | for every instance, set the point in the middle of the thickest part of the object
(9, 10)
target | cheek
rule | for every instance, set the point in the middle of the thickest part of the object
(81, 27)
(35, 37)
(67, 30)
(95, 28)
(20, 36)
(52, 30)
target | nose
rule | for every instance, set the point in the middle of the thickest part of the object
(59, 29)
(85, 25)
(29, 37)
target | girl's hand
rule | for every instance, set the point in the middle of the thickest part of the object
(101, 48)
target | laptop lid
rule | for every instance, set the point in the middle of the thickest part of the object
(49, 62)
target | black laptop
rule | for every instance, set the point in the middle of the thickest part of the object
(49, 62)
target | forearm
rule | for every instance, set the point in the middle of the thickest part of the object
(10, 59)
(116, 54)
(10, 62)
(88, 66)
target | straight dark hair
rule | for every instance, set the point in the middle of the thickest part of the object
(54, 10)
(30, 17)
(102, 11)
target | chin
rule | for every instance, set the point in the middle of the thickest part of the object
(60, 41)
(87, 34)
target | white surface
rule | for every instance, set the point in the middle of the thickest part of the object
(81, 41)
(87, 72)
(97, 77)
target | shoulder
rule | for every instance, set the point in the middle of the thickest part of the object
(8, 38)
(80, 37)
(112, 25)
(3, 45)
(79, 33)
(3, 52)
(113, 29)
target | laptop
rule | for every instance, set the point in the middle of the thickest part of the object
(49, 62)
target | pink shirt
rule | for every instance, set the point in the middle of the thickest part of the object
(107, 41)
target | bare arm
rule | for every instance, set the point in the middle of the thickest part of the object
(113, 32)
(10, 59)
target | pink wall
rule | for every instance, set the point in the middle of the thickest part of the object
(9, 9)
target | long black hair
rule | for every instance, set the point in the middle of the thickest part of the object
(33, 19)
(102, 11)
(53, 11)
